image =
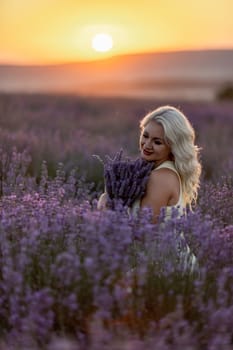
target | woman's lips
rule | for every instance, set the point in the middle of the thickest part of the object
(147, 153)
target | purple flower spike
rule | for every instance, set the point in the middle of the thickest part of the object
(125, 179)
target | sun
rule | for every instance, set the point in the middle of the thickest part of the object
(102, 42)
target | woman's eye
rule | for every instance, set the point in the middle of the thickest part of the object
(158, 142)
(145, 136)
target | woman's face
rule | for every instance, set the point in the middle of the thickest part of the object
(152, 144)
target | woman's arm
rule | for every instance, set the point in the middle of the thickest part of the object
(162, 190)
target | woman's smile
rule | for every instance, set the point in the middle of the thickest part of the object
(147, 152)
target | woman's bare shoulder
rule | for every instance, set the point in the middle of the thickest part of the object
(162, 183)
(164, 176)
(162, 187)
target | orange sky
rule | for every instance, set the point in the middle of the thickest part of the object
(54, 31)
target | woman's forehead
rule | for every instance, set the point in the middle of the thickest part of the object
(154, 129)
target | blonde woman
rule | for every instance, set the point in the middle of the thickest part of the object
(167, 139)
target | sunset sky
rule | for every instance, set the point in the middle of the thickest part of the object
(56, 31)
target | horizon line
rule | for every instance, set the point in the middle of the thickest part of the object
(110, 57)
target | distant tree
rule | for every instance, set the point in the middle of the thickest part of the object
(225, 93)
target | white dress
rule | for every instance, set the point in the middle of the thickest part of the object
(189, 261)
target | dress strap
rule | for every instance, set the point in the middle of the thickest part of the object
(168, 164)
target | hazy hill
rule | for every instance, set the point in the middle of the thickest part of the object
(184, 74)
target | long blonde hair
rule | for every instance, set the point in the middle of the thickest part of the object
(180, 136)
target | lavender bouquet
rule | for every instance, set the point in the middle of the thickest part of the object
(125, 179)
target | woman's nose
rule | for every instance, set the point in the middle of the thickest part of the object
(148, 143)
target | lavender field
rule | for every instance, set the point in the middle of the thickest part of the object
(73, 277)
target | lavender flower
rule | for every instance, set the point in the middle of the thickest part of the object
(125, 179)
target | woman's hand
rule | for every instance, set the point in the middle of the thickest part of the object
(102, 202)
